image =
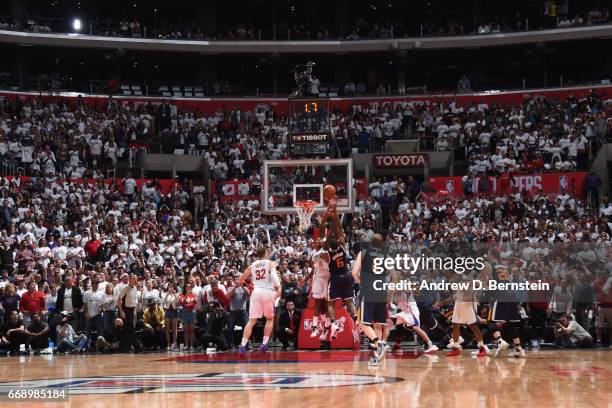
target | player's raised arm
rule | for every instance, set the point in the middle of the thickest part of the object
(245, 275)
(356, 272)
(322, 225)
(337, 229)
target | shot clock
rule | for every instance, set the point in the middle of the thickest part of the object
(309, 127)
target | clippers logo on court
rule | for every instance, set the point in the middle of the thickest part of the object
(211, 382)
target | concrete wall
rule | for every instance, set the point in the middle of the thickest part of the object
(173, 163)
(402, 146)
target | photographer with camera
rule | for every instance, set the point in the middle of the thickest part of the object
(153, 334)
(67, 339)
(215, 322)
(110, 340)
(570, 334)
(302, 75)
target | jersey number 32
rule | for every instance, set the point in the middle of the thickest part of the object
(260, 274)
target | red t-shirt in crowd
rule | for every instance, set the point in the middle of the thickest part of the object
(91, 247)
(188, 301)
(32, 302)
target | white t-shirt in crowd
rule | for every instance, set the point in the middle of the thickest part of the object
(129, 186)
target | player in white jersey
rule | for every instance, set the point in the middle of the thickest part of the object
(464, 312)
(408, 314)
(320, 282)
(266, 290)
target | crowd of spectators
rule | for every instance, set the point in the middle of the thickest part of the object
(97, 264)
(552, 14)
(7, 24)
(540, 134)
(168, 29)
(75, 140)
(30, 24)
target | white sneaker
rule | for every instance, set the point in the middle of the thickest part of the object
(518, 353)
(451, 345)
(373, 362)
(315, 332)
(381, 351)
(334, 330)
(432, 349)
(501, 346)
(323, 336)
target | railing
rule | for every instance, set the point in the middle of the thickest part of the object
(10, 168)
(305, 46)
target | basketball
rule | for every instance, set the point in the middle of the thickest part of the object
(329, 192)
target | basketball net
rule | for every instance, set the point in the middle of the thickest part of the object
(305, 209)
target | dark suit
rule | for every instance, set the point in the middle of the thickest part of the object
(77, 298)
(284, 323)
(6, 214)
(7, 258)
(77, 303)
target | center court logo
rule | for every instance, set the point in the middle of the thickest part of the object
(195, 382)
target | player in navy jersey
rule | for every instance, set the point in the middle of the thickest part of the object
(341, 284)
(373, 314)
(505, 311)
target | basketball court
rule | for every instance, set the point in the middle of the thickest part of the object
(315, 379)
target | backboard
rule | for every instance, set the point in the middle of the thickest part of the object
(285, 181)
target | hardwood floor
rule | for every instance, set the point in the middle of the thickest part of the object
(581, 378)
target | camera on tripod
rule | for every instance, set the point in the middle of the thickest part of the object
(303, 79)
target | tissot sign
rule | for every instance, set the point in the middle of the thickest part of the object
(322, 137)
(392, 161)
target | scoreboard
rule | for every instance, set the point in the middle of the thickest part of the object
(309, 127)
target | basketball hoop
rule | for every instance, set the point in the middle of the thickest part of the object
(305, 209)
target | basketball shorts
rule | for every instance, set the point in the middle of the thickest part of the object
(319, 287)
(464, 313)
(409, 316)
(604, 317)
(341, 287)
(373, 312)
(261, 303)
(427, 319)
(505, 311)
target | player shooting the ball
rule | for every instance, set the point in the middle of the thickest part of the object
(341, 284)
